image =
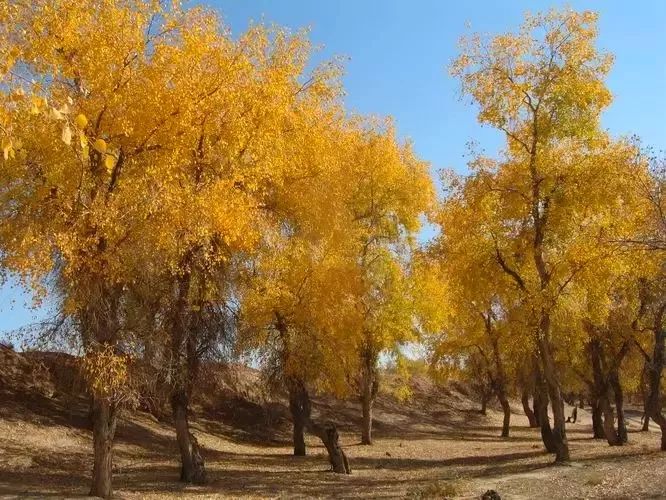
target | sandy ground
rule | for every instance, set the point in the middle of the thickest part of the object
(435, 446)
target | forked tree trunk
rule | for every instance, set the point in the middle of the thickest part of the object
(300, 408)
(554, 393)
(529, 413)
(104, 428)
(192, 469)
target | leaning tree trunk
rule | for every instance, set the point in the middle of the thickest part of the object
(529, 413)
(328, 433)
(369, 388)
(554, 393)
(300, 408)
(104, 428)
(614, 381)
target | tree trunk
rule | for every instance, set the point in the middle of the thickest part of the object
(554, 393)
(541, 407)
(614, 380)
(300, 407)
(597, 419)
(531, 417)
(328, 434)
(645, 392)
(185, 358)
(369, 388)
(484, 403)
(104, 428)
(655, 370)
(601, 392)
(192, 468)
(506, 409)
(535, 405)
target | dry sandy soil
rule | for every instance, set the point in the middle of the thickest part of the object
(435, 446)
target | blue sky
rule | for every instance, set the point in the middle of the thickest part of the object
(398, 52)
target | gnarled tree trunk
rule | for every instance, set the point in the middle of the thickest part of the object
(104, 427)
(328, 433)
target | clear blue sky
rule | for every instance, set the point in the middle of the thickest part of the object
(398, 52)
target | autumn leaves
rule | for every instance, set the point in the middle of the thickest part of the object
(179, 192)
(171, 177)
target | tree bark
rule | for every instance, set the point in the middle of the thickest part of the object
(529, 413)
(186, 362)
(328, 434)
(597, 419)
(541, 412)
(484, 403)
(614, 381)
(645, 390)
(369, 388)
(506, 409)
(655, 370)
(104, 428)
(554, 392)
(192, 469)
(601, 391)
(99, 328)
(300, 408)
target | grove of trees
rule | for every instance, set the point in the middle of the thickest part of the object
(180, 194)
